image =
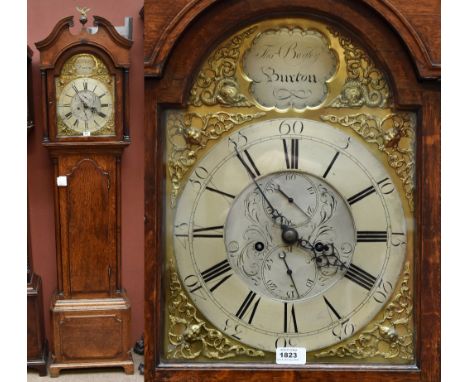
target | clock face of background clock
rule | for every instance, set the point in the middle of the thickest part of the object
(85, 97)
(85, 105)
(289, 232)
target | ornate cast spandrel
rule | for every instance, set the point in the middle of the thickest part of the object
(365, 84)
(84, 65)
(216, 83)
(394, 135)
(390, 337)
(190, 336)
(190, 132)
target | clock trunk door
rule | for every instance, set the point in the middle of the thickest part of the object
(89, 225)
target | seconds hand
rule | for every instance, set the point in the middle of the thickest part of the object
(282, 256)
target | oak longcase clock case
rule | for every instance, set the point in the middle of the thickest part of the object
(292, 208)
(85, 111)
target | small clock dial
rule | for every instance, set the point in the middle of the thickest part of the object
(284, 231)
(85, 105)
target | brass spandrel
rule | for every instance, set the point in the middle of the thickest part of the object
(216, 83)
(190, 132)
(390, 336)
(394, 135)
(365, 84)
(190, 336)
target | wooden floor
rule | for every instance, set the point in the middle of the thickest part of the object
(93, 375)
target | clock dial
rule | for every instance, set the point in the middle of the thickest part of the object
(284, 232)
(85, 105)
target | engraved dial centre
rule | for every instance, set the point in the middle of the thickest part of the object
(295, 237)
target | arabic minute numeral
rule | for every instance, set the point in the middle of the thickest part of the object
(237, 141)
(383, 291)
(286, 127)
(283, 342)
(232, 329)
(193, 285)
(343, 330)
(386, 186)
(200, 175)
(398, 238)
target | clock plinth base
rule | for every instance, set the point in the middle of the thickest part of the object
(90, 333)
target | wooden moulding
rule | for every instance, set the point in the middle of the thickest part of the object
(163, 26)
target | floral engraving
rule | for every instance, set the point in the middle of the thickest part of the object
(394, 135)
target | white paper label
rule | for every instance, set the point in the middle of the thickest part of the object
(62, 181)
(86, 133)
(290, 356)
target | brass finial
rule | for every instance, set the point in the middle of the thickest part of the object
(83, 17)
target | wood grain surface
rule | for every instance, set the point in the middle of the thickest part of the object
(179, 34)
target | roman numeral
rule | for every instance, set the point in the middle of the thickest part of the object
(94, 89)
(104, 104)
(292, 157)
(289, 317)
(333, 310)
(86, 125)
(371, 236)
(65, 105)
(216, 271)
(68, 115)
(200, 232)
(101, 114)
(252, 169)
(220, 192)
(360, 277)
(244, 308)
(75, 88)
(368, 191)
(331, 164)
(85, 85)
(75, 123)
(102, 95)
(97, 124)
(361, 195)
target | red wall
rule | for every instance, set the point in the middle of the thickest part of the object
(42, 17)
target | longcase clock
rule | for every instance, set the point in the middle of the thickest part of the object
(37, 342)
(288, 233)
(85, 111)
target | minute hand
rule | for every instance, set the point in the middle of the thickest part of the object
(273, 209)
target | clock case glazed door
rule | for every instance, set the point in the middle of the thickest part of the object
(171, 84)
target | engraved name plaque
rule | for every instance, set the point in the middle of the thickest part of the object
(289, 68)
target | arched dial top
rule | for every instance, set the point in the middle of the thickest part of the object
(289, 232)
